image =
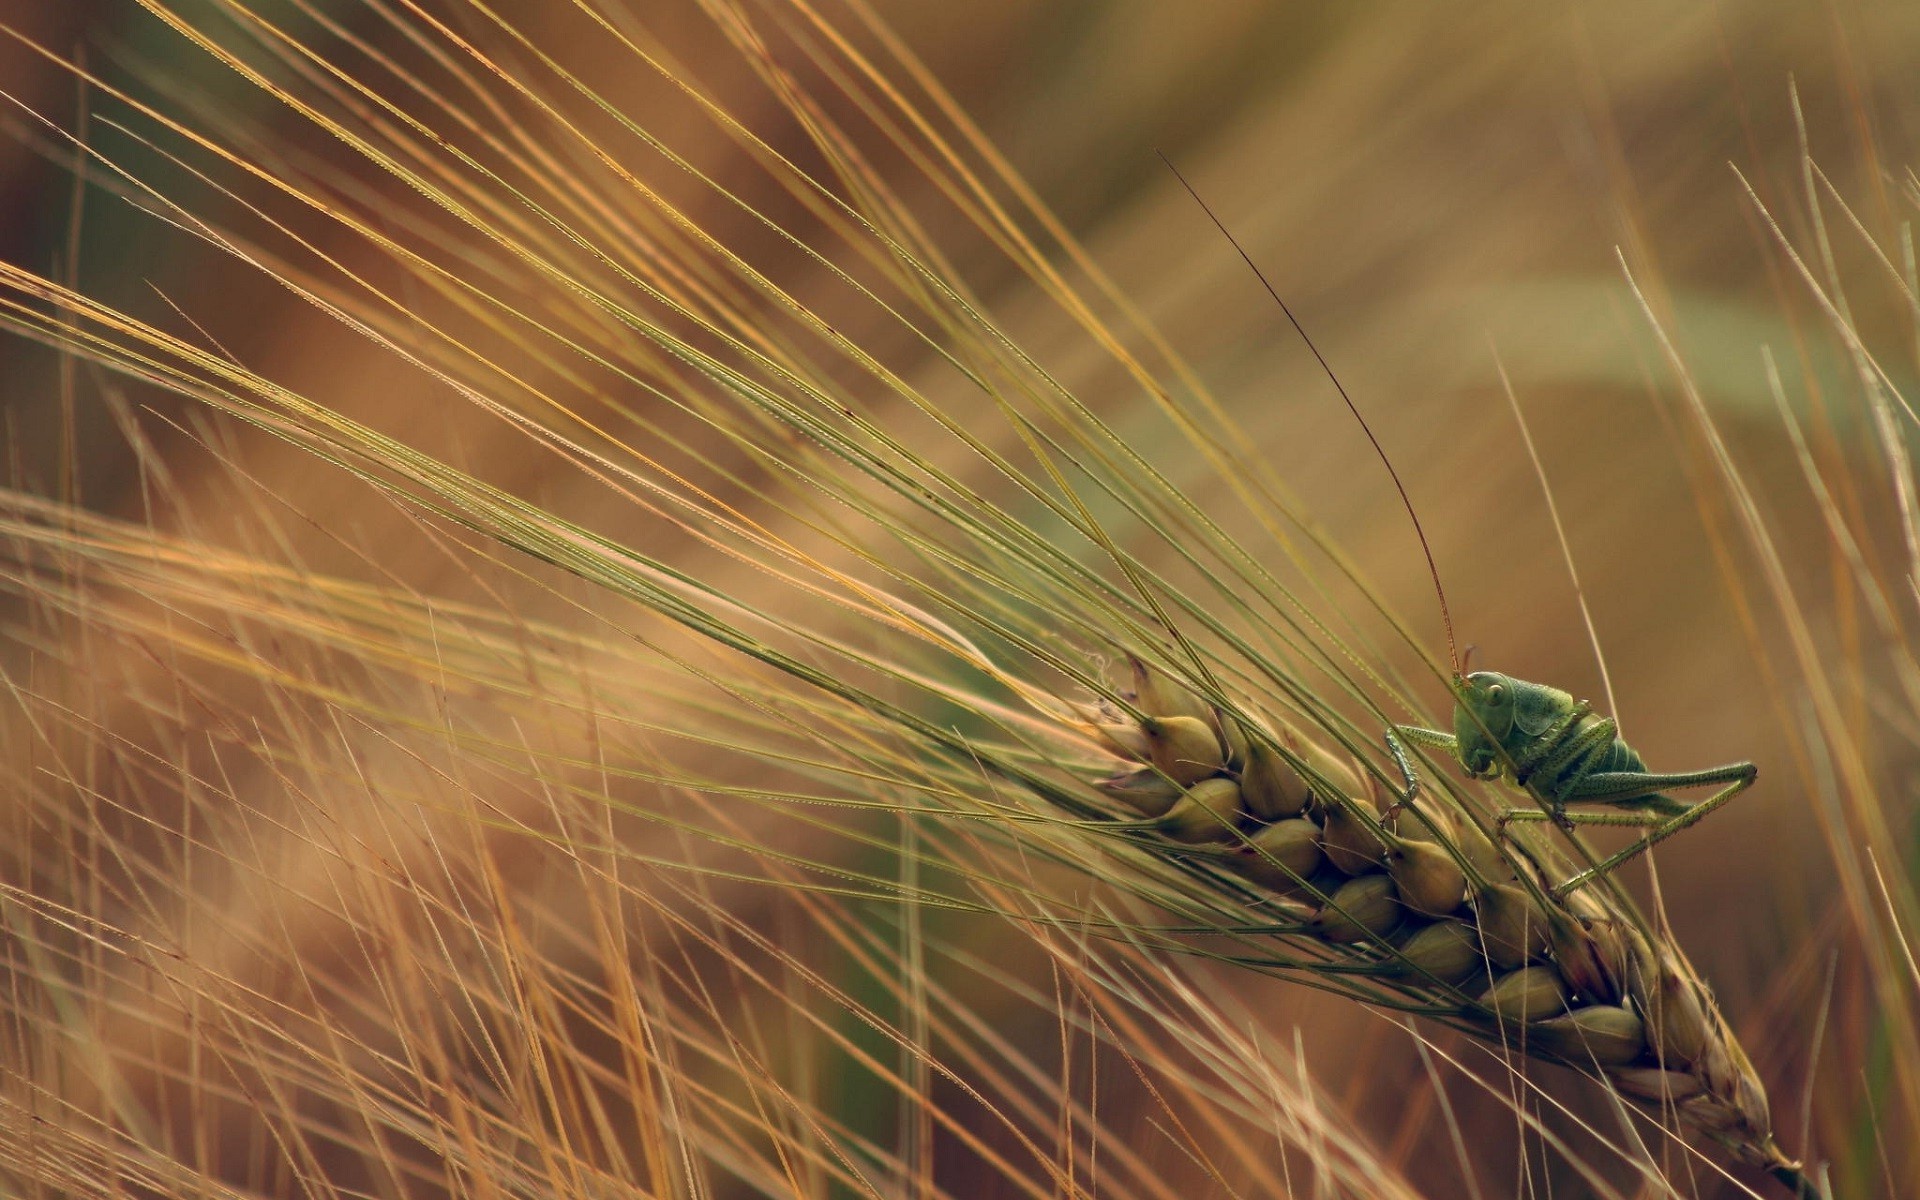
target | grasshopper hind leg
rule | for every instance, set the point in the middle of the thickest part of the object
(1660, 815)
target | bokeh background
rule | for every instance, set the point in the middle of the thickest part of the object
(1435, 190)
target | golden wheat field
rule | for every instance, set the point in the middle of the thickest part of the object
(723, 598)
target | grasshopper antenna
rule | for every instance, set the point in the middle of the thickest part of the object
(1446, 616)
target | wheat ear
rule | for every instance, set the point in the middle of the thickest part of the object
(1460, 927)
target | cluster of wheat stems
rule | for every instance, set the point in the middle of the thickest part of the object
(653, 842)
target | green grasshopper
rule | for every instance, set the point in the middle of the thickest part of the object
(1563, 753)
(1555, 747)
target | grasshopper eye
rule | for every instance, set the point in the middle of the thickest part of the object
(1496, 694)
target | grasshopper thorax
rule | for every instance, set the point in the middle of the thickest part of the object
(1496, 717)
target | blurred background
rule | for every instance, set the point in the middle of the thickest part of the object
(1436, 191)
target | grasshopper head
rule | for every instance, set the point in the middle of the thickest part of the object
(1483, 720)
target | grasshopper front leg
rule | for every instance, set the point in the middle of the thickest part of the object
(1401, 759)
